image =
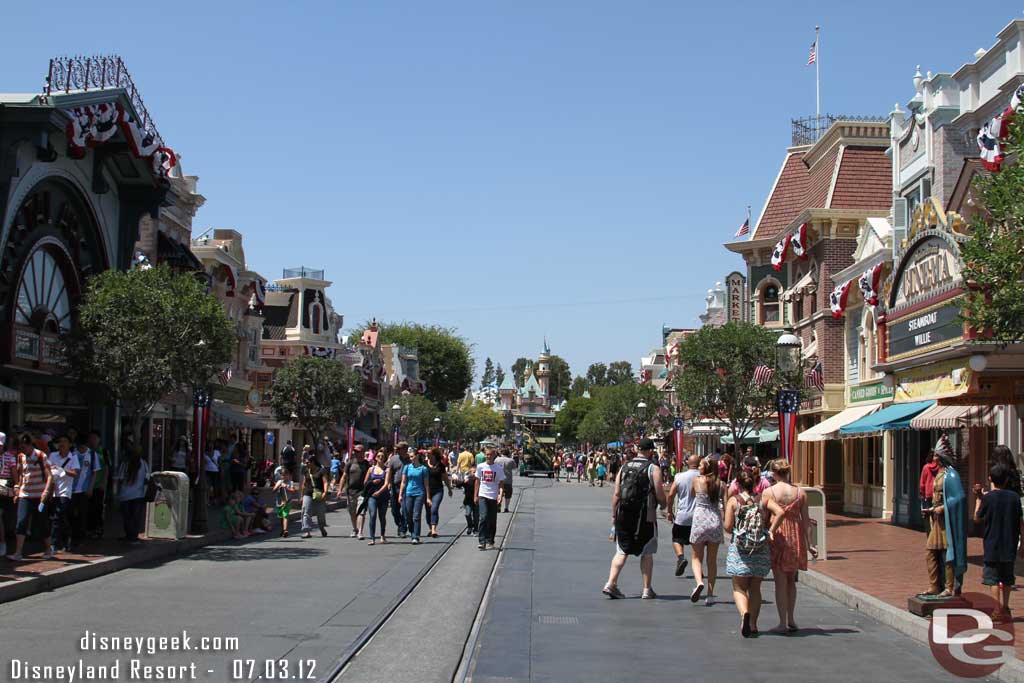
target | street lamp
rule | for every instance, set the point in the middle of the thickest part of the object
(396, 414)
(437, 432)
(641, 415)
(787, 403)
(787, 354)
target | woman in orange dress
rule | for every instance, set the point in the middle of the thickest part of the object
(789, 541)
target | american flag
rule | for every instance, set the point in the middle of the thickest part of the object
(813, 57)
(815, 378)
(225, 376)
(763, 375)
(744, 229)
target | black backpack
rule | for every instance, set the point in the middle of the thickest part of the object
(632, 530)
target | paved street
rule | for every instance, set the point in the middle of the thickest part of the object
(547, 620)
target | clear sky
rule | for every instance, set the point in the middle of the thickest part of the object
(512, 169)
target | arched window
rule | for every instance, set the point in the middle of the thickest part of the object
(316, 312)
(770, 310)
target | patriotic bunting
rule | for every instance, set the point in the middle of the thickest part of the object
(763, 375)
(92, 125)
(815, 378)
(868, 284)
(320, 352)
(799, 243)
(788, 404)
(779, 254)
(990, 147)
(259, 290)
(232, 279)
(678, 440)
(837, 299)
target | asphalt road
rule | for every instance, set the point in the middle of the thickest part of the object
(547, 620)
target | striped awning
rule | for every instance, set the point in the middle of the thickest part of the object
(955, 417)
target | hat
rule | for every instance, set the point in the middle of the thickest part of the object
(646, 445)
(402, 445)
(944, 450)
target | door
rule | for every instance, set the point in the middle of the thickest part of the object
(833, 480)
(911, 453)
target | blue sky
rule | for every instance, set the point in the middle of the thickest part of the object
(512, 169)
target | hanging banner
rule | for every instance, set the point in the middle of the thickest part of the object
(788, 406)
(394, 436)
(350, 434)
(678, 436)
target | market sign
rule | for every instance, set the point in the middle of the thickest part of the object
(943, 380)
(925, 329)
(873, 391)
(736, 289)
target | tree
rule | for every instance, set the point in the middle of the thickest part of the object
(716, 376)
(143, 334)
(579, 387)
(569, 418)
(445, 358)
(611, 406)
(499, 375)
(487, 379)
(561, 378)
(621, 372)
(519, 371)
(416, 420)
(474, 421)
(315, 393)
(994, 253)
(597, 375)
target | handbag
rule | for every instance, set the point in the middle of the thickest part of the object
(318, 494)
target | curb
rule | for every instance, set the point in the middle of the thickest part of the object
(893, 617)
(164, 550)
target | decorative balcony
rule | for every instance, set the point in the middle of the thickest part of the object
(810, 129)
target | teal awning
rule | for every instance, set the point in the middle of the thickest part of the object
(896, 416)
(756, 436)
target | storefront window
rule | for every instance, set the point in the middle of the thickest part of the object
(770, 303)
(858, 461)
(875, 461)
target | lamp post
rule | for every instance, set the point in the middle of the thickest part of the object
(437, 432)
(396, 416)
(787, 361)
(641, 416)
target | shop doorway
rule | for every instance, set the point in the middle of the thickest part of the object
(833, 481)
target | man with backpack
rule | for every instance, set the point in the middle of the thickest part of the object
(638, 494)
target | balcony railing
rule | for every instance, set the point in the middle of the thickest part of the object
(808, 130)
(303, 271)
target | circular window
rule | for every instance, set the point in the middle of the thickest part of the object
(43, 303)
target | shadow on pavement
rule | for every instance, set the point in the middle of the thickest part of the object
(253, 553)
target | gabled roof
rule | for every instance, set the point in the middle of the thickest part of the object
(531, 384)
(786, 199)
(507, 384)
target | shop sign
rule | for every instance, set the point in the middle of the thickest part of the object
(925, 329)
(931, 268)
(874, 391)
(736, 290)
(932, 382)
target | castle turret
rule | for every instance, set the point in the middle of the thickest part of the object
(543, 373)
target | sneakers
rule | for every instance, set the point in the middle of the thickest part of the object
(613, 592)
(49, 555)
(415, 541)
(307, 535)
(680, 565)
(491, 544)
(695, 595)
(648, 594)
(482, 546)
(353, 534)
(709, 601)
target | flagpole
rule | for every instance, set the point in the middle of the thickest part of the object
(817, 73)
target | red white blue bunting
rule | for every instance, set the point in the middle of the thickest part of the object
(92, 125)
(837, 299)
(232, 283)
(259, 290)
(991, 135)
(780, 251)
(799, 243)
(868, 284)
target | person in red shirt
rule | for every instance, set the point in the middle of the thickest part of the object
(32, 491)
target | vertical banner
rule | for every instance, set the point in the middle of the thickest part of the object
(200, 425)
(394, 436)
(350, 435)
(788, 406)
(677, 434)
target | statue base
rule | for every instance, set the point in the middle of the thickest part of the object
(923, 605)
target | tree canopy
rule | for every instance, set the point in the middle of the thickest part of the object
(143, 334)
(610, 407)
(519, 370)
(416, 420)
(620, 372)
(472, 421)
(560, 381)
(487, 379)
(716, 376)
(315, 393)
(568, 419)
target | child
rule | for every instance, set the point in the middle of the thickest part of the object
(1000, 510)
(335, 469)
(231, 519)
(282, 490)
(246, 517)
(602, 472)
(251, 505)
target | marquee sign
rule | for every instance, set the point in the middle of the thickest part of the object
(925, 330)
(931, 268)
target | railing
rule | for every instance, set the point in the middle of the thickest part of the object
(303, 271)
(97, 73)
(810, 129)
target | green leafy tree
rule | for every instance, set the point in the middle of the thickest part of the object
(569, 418)
(474, 421)
(994, 253)
(416, 419)
(579, 386)
(488, 376)
(499, 375)
(519, 371)
(716, 376)
(621, 372)
(143, 334)
(611, 406)
(561, 378)
(445, 358)
(315, 393)
(597, 375)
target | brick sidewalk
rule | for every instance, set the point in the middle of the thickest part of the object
(887, 562)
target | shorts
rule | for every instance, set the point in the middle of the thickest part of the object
(506, 488)
(995, 573)
(681, 534)
(282, 510)
(650, 549)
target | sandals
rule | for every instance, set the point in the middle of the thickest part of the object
(370, 543)
(745, 628)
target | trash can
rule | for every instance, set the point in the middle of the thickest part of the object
(816, 512)
(167, 516)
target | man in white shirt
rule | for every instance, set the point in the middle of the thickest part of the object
(681, 502)
(89, 467)
(64, 468)
(488, 496)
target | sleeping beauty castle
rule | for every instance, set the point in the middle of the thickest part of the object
(531, 406)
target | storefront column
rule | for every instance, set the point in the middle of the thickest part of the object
(889, 493)
(1009, 428)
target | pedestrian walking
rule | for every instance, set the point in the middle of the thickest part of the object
(283, 489)
(102, 482)
(602, 474)
(1000, 511)
(377, 490)
(179, 459)
(467, 480)
(749, 557)
(353, 479)
(396, 464)
(314, 494)
(680, 512)
(638, 494)
(790, 541)
(64, 467)
(1002, 455)
(132, 476)
(414, 493)
(507, 463)
(32, 490)
(556, 465)
(88, 470)
(706, 529)
(437, 472)
(488, 496)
